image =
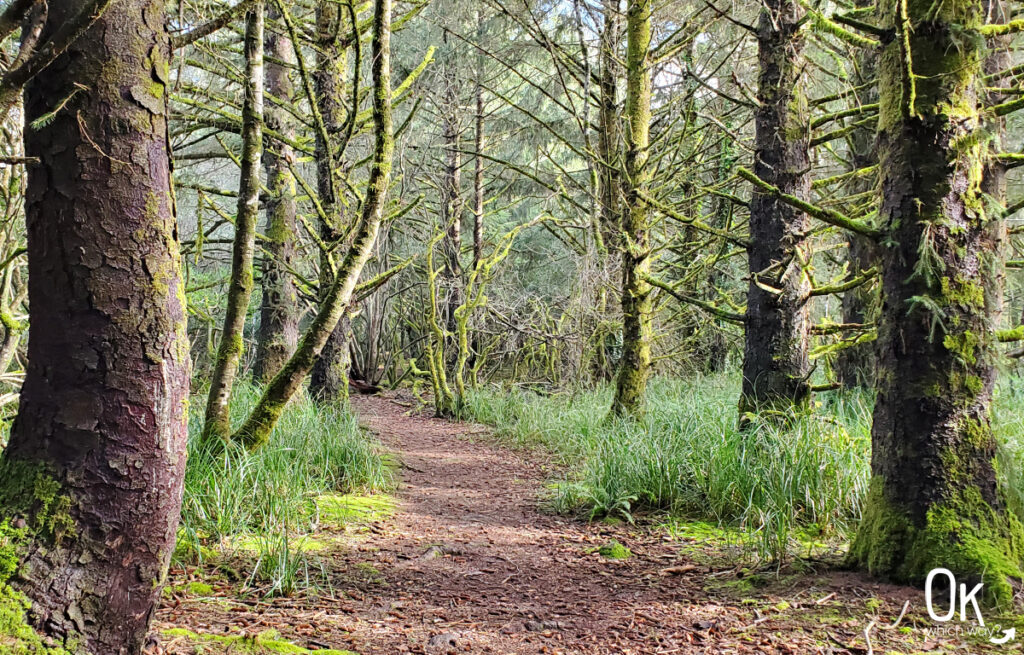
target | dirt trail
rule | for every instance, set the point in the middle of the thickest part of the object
(469, 563)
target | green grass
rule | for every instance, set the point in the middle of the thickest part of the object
(267, 501)
(790, 489)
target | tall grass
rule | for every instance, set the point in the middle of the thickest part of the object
(267, 499)
(775, 483)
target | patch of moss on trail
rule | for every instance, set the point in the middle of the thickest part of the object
(268, 642)
(614, 550)
(336, 510)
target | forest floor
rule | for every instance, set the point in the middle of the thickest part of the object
(468, 561)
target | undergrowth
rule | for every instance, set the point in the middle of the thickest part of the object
(268, 501)
(786, 488)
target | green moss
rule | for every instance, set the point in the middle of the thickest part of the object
(199, 588)
(337, 510)
(963, 345)
(967, 294)
(16, 636)
(264, 643)
(30, 491)
(964, 534)
(614, 550)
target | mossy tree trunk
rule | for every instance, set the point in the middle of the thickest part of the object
(328, 381)
(775, 357)
(97, 453)
(257, 427)
(718, 346)
(934, 500)
(993, 181)
(451, 198)
(217, 423)
(609, 185)
(478, 187)
(635, 364)
(855, 366)
(610, 133)
(279, 311)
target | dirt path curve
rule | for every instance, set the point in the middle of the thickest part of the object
(469, 563)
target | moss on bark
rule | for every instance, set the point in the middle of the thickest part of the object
(934, 499)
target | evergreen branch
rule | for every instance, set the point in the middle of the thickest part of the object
(854, 111)
(15, 79)
(830, 216)
(1001, 29)
(852, 283)
(732, 317)
(179, 41)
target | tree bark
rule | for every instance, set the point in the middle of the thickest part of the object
(328, 381)
(855, 366)
(279, 311)
(478, 191)
(256, 429)
(635, 364)
(934, 499)
(775, 358)
(97, 452)
(610, 137)
(609, 180)
(451, 201)
(217, 423)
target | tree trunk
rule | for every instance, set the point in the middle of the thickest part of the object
(217, 423)
(609, 181)
(451, 203)
(256, 429)
(478, 172)
(775, 358)
(934, 500)
(328, 381)
(97, 452)
(635, 364)
(855, 366)
(279, 311)
(609, 139)
(993, 180)
(478, 193)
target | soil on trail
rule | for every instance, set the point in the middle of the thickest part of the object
(470, 563)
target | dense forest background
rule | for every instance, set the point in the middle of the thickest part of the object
(750, 265)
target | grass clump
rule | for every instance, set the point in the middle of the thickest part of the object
(688, 457)
(268, 501)
(796, 488)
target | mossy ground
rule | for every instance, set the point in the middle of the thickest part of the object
(614, 550)
(268, 642)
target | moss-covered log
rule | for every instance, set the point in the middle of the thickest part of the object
(934, 498)
(93, 471)
(775, 357)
